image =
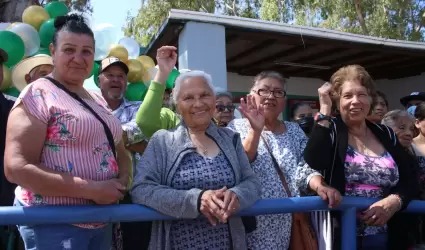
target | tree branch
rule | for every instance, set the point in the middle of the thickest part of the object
(360, 16)
(421, 20)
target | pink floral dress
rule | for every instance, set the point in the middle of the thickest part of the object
(75, 140)
(372, 177)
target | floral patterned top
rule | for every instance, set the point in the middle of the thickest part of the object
(274, 231)
(75, 140)
(369, 176)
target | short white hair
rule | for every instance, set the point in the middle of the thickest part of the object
(190, 74)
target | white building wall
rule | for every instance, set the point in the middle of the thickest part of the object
(395, 89)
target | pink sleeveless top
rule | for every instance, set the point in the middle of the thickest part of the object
(75, 140)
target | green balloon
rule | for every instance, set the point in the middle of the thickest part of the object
(47, 30)
(136, 91)
(56, 9)
(12, 92)
(13, 45)
(43, 51)
(94, 71)
(172, 78)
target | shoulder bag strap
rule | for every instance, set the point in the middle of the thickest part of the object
(277, 168)
(108, 132)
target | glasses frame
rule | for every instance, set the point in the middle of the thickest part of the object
(260, 91)
(225, 107)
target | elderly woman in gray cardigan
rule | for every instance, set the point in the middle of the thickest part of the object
(198, 173)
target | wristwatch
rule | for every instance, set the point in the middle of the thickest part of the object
(321, 117)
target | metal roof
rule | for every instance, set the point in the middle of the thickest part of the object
(255, 45)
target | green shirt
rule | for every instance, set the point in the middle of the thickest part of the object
(151, 116)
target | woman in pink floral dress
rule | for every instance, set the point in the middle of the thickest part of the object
(63, 145)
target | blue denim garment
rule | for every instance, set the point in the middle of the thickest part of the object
(65, 237)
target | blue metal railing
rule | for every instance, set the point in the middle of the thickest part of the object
(123, 213)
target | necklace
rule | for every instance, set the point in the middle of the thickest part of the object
(363, 146)
(203, 150)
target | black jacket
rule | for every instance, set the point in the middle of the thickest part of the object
(7, 189)
(326, 150)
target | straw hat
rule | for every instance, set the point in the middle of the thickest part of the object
(24, 67)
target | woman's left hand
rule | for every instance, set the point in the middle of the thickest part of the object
(380, 212)
(330, 194)
(230, 205)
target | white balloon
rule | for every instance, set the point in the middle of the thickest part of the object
(105, 35)
(3, 26)
(29, 35)
(132, 47)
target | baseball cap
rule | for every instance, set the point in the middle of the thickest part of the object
(109, 61)
(3, 56)
(420, 96)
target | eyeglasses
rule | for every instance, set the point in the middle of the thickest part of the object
(266, 93)
(222, 108)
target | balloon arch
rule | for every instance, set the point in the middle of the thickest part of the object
(34, 34)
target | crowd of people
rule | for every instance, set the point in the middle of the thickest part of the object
(183, 153)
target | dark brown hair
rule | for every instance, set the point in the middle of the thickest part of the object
(352, 73)
(382, 95)
(420, 112)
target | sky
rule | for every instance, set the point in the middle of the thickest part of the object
(113, 11)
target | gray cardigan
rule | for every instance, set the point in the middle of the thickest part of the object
(155, 170)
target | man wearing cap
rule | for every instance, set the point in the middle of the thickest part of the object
(414, 99)
(30, 70)
(113, 84)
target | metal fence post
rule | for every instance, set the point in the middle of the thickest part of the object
(348, 226)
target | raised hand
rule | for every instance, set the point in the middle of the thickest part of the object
(325, 98)
(166, 57)
(254, 113)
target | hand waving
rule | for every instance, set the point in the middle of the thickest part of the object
(166, 57)
(254, 114)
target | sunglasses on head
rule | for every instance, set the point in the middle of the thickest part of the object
(222, 108)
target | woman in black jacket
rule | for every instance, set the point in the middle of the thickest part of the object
(364, 159)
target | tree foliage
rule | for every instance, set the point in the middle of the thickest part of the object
(11, 10)
(396, 19)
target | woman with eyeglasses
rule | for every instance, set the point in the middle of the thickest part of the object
(224, 108)
(275, 148)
